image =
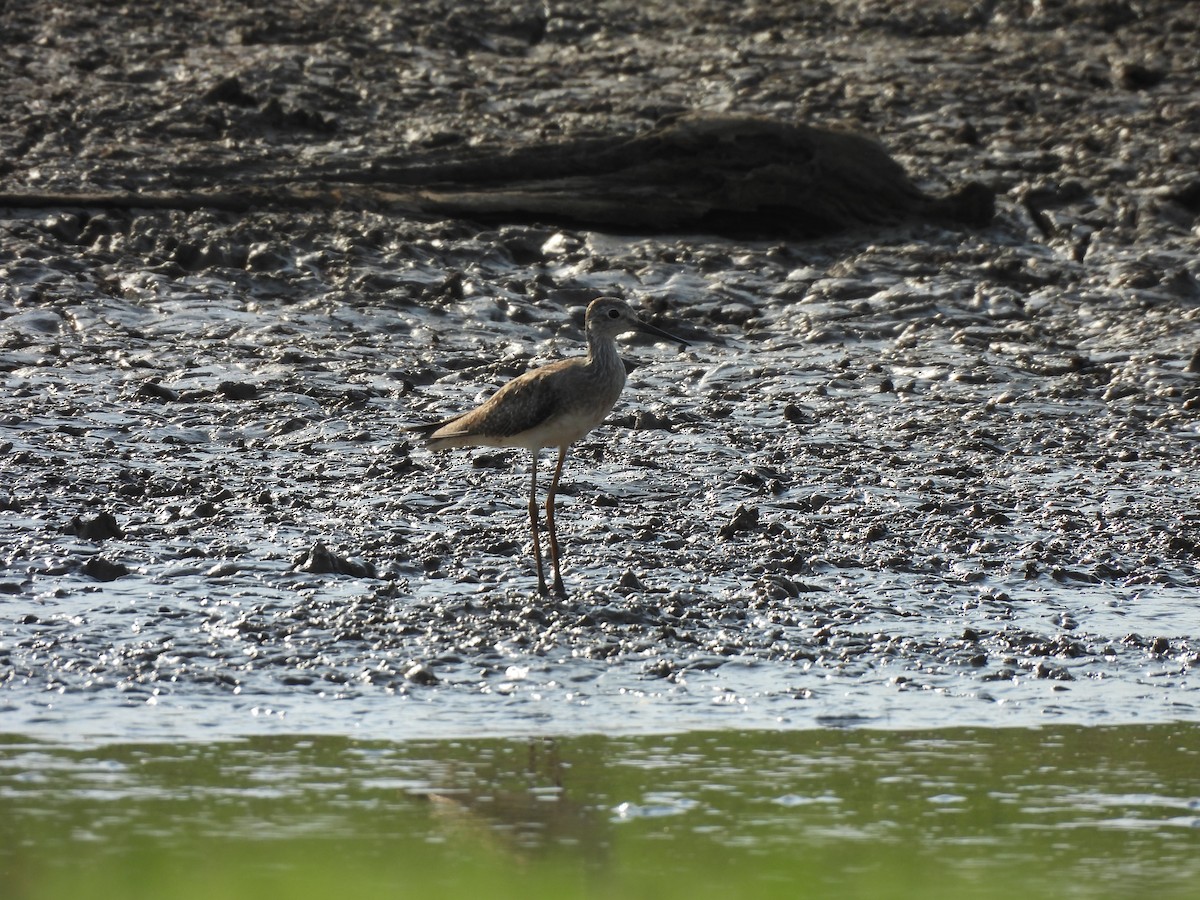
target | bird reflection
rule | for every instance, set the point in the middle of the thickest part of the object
(525, 811)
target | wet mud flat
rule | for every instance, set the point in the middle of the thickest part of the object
(901, 477)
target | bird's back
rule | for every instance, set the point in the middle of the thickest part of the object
(551, 406)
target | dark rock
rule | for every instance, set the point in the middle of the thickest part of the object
(229, 90)
(1135, 76)
(237, 390)
(65, 226)
(744, 519)
(320, 559)
(645, 420)
(99, 527)
(796, 415)
(1186, 195)
(629, 581)
(205, 509)
(104, 570)
(155, 391)
(874, 532)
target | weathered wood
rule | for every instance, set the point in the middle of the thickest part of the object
(722, 174)
(239, 200)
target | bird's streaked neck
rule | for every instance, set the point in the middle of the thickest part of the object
(602, 351)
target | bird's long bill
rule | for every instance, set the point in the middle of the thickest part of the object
(658, 332)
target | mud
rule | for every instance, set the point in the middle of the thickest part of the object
(906, 477)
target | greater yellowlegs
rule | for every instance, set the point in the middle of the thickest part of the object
(553, 406)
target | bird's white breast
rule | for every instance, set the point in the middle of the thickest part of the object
(557, 431)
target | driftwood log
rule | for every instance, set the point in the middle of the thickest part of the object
(717, 174)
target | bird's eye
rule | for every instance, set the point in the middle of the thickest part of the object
(614, 314)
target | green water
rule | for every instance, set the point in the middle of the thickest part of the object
(1057, 812)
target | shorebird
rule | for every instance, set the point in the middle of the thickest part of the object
(553, 406)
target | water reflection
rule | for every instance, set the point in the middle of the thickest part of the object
(524, 799)
(846, 811)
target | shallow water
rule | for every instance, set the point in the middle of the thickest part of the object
(1058, 811)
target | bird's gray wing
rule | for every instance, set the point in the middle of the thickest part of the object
(522, 404)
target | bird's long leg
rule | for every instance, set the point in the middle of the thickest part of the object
(558, 582)
(533, 523)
